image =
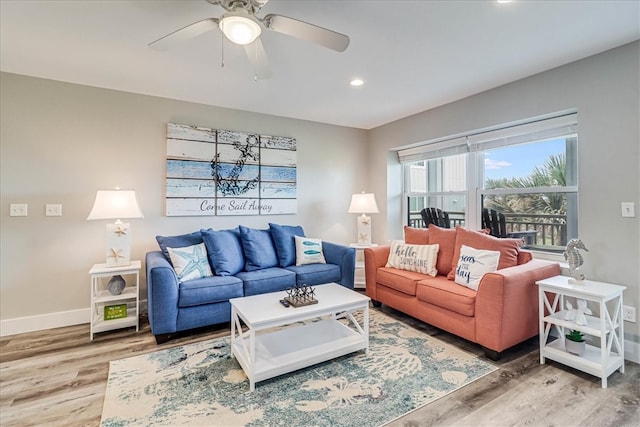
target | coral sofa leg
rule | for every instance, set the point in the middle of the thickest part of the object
(491, 354)
(162, 338)
(376, 304)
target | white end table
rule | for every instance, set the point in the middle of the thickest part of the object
(600, 361)
(359, 279)
(101, 297)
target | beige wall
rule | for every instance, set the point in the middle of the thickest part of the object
(61, 142)
(605, 91)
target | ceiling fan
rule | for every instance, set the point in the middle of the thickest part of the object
(241, 26)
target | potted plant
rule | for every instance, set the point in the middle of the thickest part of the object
(574, 342)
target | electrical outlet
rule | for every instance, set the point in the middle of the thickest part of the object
(628, 209)
(53, 210)
(18, 209)
(629, 313)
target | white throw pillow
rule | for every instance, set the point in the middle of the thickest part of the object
(418, 258)
(309, 251)
(473, 264)
(190, 262)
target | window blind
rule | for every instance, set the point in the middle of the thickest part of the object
(519, 134)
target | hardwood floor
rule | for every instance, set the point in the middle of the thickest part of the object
(58, 377)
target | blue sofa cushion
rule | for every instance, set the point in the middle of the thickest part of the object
(181, 241)
(209, 290)
(316, 274)
(266, 280)
(283, 240)
(259, 251)
(224, 251)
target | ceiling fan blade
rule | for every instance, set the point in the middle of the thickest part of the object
(308, 32)
(258, 59)
(188, 32)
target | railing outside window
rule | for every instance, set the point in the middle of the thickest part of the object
(551, 230)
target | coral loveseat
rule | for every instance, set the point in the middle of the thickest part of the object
(242, 262)
(501, 313)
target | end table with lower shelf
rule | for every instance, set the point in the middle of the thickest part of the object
(101, 297)
(601, 360)
(359, 280)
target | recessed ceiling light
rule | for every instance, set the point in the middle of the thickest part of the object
(356, 82)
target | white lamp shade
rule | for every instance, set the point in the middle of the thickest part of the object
(115, 204)
(240, 28)
(363, 203)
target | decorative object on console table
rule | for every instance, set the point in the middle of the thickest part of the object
(363, 203)
(116, 204)
(112, 312)
(575, 260)
(116, 285)
(299, 296)
(574, 342)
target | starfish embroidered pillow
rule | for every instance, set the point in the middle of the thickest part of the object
(190, 262)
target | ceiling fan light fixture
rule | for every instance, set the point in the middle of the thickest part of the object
(240, 28)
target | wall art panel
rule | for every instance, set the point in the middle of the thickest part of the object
(222, 172)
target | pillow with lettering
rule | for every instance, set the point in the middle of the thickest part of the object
(473, 264)
(418, 258)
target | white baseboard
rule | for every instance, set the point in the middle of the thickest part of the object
(42, 322)
(632, 351)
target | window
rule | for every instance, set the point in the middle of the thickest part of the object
(526, 172)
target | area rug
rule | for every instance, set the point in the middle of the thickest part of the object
(200, 384)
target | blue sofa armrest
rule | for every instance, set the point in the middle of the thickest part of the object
(345, 257)
(162, 294)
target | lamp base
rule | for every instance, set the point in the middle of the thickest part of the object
(364, 230)
(118, 249)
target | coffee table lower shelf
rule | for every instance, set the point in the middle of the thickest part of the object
(295, 347)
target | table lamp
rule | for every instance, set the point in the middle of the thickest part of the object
(363, 203)
(116, 204)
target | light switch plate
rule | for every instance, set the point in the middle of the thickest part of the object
(18, 209)
(53, 210)
(628, 209)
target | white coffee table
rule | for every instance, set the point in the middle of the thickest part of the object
(267, 354)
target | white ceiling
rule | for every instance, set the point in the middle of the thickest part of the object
(413, 55)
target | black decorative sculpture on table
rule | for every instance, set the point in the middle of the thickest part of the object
(301, 295)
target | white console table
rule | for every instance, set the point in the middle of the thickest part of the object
(359, 281)
(601, 360)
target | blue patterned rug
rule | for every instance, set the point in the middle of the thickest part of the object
(199, 384)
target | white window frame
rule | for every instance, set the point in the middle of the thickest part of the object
(475, 144)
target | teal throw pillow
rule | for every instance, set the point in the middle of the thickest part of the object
(282, 236)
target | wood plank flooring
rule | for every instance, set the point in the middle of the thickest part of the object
(58, 378)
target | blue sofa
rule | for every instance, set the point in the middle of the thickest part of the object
(243, 261)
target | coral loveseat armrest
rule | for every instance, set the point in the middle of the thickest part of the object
(162, 294)
(374, 258)
(343, 256)
(507, 304)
